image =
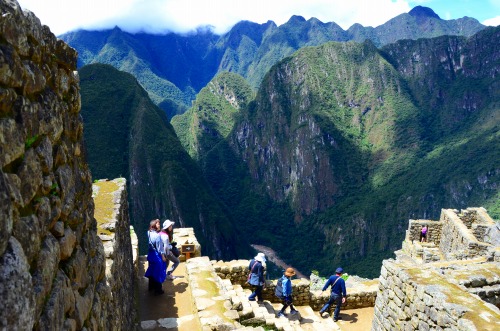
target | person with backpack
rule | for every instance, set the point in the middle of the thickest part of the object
(256, 277)
(284, 292)
(338, 294)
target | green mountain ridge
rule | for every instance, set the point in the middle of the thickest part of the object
(126, 135)
(173, 68)
(213, 114)
(345, 142)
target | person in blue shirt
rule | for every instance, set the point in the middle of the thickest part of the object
(257, 280)
(157, 268)
(286, 281)
(338, 294)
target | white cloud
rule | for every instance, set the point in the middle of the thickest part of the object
(495, 21)
(158, 16)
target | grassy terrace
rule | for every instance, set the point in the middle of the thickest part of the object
(104, 204)
(477, 311)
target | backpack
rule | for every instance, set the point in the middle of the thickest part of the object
(278, 291)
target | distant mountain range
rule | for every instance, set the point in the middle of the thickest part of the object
(173, 68)
(351, 141)
(327, 160)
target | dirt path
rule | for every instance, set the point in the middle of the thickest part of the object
(274, 258)
(175, 308)
(356, 319)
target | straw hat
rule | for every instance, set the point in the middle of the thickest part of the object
(289, 272)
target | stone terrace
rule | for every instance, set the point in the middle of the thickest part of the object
(451, 282)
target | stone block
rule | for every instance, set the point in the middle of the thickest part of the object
(67, 243)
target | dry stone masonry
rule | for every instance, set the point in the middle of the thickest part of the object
(52, 262)
(450, 282)
(64, 267)
(120, 247)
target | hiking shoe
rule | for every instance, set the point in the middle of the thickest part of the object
(281, 314)
(335, 319)
(293, 312)
(251, 299)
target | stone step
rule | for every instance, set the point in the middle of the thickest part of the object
(166, 323)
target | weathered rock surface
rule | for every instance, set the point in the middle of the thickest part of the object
(52, 263)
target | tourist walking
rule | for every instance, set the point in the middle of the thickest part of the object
(156, 271)
(338, 294)
(256, 277)
(167, 241)
(287, 300)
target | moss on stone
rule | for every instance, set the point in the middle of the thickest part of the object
(212, 290)
(104, 204)
(456, 295)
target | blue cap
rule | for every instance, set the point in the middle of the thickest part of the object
(339, 270)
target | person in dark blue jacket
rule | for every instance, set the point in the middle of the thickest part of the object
(338, 294)
(256, 279)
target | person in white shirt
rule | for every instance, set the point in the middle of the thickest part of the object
(166, 236)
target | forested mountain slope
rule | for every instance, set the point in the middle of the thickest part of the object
(127, 135)
(351, 141)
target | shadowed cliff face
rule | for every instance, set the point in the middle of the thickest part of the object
(356, 140)
(164, 182)
(318, 118)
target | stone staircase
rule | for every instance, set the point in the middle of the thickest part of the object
(224, 306)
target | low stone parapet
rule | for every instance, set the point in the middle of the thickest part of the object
(120, 247)
(186, 236)
(422, 298)
(210, 296)
(236, 271)
(359, 295)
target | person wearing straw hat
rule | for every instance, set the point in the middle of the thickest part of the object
(256, 267)
(286, 282)
(337, 295)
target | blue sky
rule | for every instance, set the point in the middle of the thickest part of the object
(159, 16)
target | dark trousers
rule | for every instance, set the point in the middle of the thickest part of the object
(334, 299)
(257, 292)
(286, 304)
(154, 286)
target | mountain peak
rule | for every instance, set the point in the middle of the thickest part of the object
(296, 19)
(420, 11)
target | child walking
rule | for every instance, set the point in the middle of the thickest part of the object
(286, 281)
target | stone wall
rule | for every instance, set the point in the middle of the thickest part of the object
(186, 236)
(452, 284)
(359, 294)
(52, 263)
(433, 232)
(120, 247)
(458, 242)
(422, 299)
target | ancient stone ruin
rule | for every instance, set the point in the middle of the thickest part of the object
(450, 282)
(69, 258)
(53, 273)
